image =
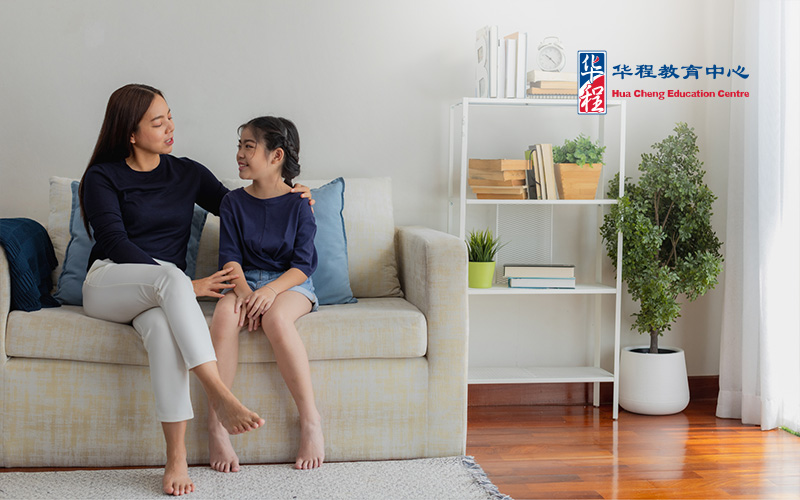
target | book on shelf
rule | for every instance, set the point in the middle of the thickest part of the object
(541, 282)
(539, 162)
(511, 65)
(556, 85)
(500, 175)
(500, 189)
(484, 196)
(488, 182)
(552, 92)
(541, 158)
(538, 75)
(497, 165)
(539, 271)
(549, 171)
(534, 186)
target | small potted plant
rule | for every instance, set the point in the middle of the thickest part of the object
(482, 247)
(578, 164)
(669, 251)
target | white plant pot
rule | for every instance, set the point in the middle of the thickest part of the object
(653, 384)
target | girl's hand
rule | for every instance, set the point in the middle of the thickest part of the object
(214, 284)
(305, 192)
(260, 301)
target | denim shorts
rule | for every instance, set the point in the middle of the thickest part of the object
(257, 278)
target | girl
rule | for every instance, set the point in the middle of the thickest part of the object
(139, 200)
(267, 238)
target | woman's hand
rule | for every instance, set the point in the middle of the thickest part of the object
(214, 284)
(260, 301)
(305, 192)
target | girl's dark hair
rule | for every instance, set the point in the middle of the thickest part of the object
(278, 133)
(126, 107)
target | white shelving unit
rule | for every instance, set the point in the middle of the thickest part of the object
(461, 198)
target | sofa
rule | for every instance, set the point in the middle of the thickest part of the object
(389, 371)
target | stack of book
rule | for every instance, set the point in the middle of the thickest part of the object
(499, 179)
(542, 175)
(552, 83)
(540, 276)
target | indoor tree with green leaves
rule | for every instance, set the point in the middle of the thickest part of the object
(669, 246)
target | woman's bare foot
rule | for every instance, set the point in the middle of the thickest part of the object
(312, 446)
(176, 476)
(235, 417)
(221, 455)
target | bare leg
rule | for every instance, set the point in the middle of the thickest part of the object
(176, 473)
(225, 335)
(290, 353)
(235, 417)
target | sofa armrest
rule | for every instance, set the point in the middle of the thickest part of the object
(433, 274)
(5, 302)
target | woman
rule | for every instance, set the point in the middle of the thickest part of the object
(139, 201)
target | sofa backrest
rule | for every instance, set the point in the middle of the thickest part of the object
(369, 226)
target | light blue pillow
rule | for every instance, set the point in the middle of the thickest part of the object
(76, 258)
(331, 278)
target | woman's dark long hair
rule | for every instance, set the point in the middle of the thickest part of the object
(279, 133)
(126, 107)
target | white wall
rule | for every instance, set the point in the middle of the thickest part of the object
(368, 83)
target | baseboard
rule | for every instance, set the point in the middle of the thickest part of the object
(700, 388)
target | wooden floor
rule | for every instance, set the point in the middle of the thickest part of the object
(581, 452)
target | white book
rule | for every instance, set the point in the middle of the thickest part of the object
(538, 75)
(522, 65)
(541, 282)
(511, 67)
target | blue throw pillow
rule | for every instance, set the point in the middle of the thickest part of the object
(73, 272)
(332, 277)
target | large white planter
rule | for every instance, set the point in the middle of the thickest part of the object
(653, 384)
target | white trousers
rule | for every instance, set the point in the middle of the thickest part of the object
(161, 303)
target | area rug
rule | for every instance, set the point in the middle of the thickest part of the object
(457, 478)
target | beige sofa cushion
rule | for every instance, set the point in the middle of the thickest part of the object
(58, 219)
(372, 328)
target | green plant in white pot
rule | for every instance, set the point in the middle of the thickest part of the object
(669, 251)
(482, 247)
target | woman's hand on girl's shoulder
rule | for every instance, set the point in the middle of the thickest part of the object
(212, 286)
(305, 192)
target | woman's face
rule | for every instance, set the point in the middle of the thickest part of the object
(155, 129)
(253, 158)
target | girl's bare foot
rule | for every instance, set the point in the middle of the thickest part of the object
(176, 476)
(234, 416)
(312, 446)
(221, 455)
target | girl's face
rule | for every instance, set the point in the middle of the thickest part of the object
(254, 159)
(155, 132)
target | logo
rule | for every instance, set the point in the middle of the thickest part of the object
(591, 82)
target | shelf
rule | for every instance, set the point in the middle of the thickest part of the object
(539, 375)
(470, 201)
(494, 101)
(580, 289)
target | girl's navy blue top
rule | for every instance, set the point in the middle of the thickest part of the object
(275, 234)
(141, 216)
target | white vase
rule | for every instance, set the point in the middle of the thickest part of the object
(653, 384)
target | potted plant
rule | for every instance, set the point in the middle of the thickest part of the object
(669, 251)
(578, 164)
(482, 247)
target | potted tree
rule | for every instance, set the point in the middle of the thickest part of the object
(578, 165)
(482, 247)
(669, 251)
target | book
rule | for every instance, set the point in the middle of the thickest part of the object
(511, 65)
(499, 175)
(497, 165)
(538, 75)
(539, 163)
(551, 92)
(522, 65)
(489, 182)
(534, 188)
(539, 271)
(556, 85)
(549, 171)
(541, 282)
(486, 45)
(499, 189)
(485, 196)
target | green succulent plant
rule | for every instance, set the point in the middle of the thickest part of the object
(669, 247)
(580, 150)
(482, 246)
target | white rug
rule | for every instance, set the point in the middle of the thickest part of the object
(458, 478)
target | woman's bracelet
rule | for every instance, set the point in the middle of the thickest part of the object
(273, 290)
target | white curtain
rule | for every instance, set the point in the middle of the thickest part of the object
(760, 348)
